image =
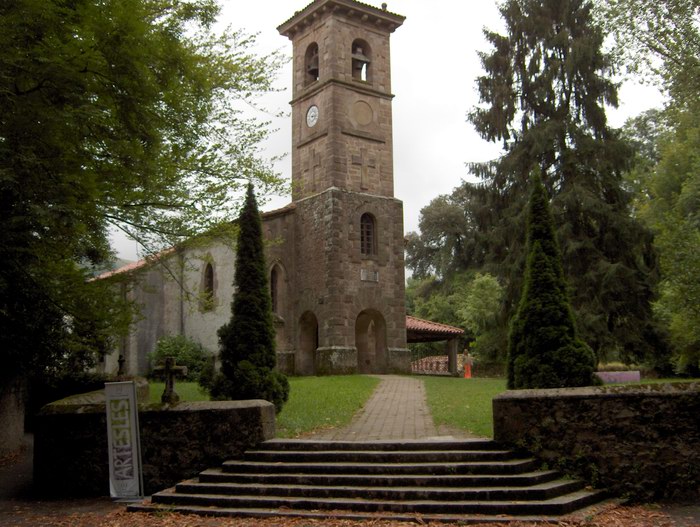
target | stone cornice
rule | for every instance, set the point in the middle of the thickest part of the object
(381, 18)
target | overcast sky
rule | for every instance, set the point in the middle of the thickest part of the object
(434, 68)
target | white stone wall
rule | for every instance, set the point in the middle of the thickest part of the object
(169, 296)
(201, 325)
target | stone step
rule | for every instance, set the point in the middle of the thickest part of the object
(217, 475)
(382, 445)
(406, 480)
(377, 456)
(511, 466)
(559, 505)
(339, 515)
(542, 491)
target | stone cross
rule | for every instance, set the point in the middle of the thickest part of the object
(367, 165)
(168, 371)
(312, 166)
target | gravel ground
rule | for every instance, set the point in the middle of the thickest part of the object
(104, 513)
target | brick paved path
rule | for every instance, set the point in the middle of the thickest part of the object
(396, 410)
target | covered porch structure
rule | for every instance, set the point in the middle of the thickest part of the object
(419, 330)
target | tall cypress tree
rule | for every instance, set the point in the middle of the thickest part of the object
(247, 341)
(543, 97)
(544, 350)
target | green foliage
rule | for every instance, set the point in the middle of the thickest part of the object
(664, 39)
(116, 114)
(247, 341)
(46, 387)
(666, 169)
(465, 300)
(187, 391)
(334, 399)
(185, 351)
(544, 350)
(463, 403)
(659, 40)
(543, 96)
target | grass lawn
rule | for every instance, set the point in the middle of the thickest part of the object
(463, 403)
(188, 391)
(323, 402)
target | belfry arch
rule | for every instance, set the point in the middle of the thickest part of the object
(370, 341)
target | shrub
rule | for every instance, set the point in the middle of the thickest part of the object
(544, 350)
(45, 388)
(185, 351)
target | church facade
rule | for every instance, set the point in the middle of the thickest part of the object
(335, 254)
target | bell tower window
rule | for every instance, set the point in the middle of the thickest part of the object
(311, 66)
(361, 60)
(368, 235)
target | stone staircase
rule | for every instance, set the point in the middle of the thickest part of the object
(458, 480)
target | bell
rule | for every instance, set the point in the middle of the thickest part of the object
(312, 68)
(359, 55)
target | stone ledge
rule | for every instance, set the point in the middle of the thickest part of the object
(660, 390)
(177, 442)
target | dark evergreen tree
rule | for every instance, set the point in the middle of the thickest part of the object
(247, 341)
(543, 95)
(544, 350)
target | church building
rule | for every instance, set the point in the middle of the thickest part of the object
(335, 254)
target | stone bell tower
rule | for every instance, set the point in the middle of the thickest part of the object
(349, 266)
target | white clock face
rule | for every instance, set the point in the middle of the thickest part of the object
(312, 116)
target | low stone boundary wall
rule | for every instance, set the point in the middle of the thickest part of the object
(642, 442)
(436, 364)
(612, 377)
(177, 442)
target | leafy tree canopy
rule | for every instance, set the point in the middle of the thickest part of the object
(123, 114)
(658, 40)
(467, 300)
(663, 38)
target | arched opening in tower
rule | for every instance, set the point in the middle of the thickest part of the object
(370, 341)
(308, 343)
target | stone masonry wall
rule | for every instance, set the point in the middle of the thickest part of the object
(637, 441)
(178, 442)
(12, 397)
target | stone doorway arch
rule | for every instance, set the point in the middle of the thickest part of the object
(308, 343)
(370, 341)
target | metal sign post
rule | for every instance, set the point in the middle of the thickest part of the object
(124, 446)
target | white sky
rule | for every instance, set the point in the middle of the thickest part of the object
(434, 70)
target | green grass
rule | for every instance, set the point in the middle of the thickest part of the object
(188, 391)
(669, 380)
(466, 403)
(317, 403)
(463, 403)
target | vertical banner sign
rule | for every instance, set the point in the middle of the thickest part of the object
(125, 478)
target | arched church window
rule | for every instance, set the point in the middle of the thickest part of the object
(368, 235)
(361, 60)
(274, 288)
(311, 64)
(207, 297)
